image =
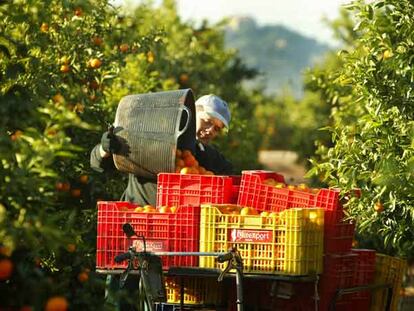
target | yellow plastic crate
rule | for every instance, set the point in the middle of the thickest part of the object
(289, 242)
(197, 290)
(388, 270)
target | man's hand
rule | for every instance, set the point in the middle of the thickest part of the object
(110, 143)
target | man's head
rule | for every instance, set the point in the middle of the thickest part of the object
(213, 115)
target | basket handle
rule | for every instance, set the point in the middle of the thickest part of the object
(188, 120)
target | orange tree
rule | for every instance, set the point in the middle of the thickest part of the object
(57, 59)
(59, 85)
(185, 56)
(372, 125)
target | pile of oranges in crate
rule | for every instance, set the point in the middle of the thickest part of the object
(151, 209)
(234, 209)
(186, 163)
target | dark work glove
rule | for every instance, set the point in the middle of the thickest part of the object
(110, 142)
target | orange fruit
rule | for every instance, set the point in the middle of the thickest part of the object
(190, 161)
(78, 12)
(6, 269)
(178, 153)
(184, 78)
(76, 193)
(186, 170)
(186, 153)
(57, 303)
(124, 47)
(84, 179)
(64, 60)
(64, 68)
(79, 108)
(387, 54)
(44, 27)
(303, 187)
(209, 173)
(139, 209)
(201, 170)
(378, 207)
(149, 208)
(264, 214)
(97, 40)
(16, 135)
(66, 186)
(244, 211)
(83, 277)
(71, 248)
(179, 162)
(150, 57)
(59, 186)
(58, 98)
(164, 209)
(95, 63)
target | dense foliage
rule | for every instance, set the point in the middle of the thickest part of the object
(372, 123)
(64, 67)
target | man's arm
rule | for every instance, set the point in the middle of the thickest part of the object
(100, 160)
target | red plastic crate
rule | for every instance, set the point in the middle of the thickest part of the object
(187, 189)
(338, 237)
(178, 231)
(364, 273)
(365, 266)
(236, 180)
(263, 197)
(338, 271)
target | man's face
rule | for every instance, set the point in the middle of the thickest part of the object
(208, 128)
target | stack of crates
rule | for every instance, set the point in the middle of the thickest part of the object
(193, 190)
(388, 270)
(289, 242)
(343, 266)
(254, 192)
(338, 272)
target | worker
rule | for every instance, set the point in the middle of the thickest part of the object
(212, 118)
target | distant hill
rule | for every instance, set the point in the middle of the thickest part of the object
(277, 52)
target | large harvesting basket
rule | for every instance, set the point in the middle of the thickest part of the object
(151, 127)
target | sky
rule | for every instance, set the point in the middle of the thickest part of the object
(304, 16)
